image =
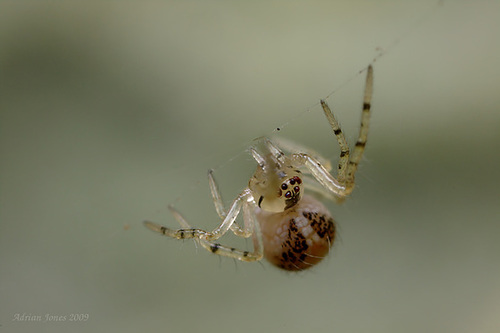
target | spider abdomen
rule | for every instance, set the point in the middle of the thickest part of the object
(299, 237)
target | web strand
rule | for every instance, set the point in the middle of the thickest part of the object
(381, 52)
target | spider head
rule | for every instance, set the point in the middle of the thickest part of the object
(281, 194)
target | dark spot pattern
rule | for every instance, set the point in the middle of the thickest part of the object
(214, 247)
(360, 144)
(296, 254)
(324, 228)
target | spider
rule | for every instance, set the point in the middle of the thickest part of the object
(292, 230)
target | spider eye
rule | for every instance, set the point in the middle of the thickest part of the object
(292, 181)
(284, 186)
(296, 179)
(288, 194)
(296, 189)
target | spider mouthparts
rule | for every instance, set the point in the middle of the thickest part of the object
(292, 201)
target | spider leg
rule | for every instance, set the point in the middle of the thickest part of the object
(344, 147)
(359, 148)
(274, 150)
(178, 234)
(293, 147)
(348, 164)
(275, 154)
(216, 196)
(253, 226)
(206, 238)
(230, 217)
(315, 187)
(231, 252)
(179, 218)
(219, 207)
(257, 157)
(321, 174)
(187, 232)
(258, 248)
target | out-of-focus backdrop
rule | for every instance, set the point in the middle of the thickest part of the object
(111, 110)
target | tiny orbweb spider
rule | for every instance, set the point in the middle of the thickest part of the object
(292, 230)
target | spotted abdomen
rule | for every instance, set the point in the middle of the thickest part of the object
(299, 237)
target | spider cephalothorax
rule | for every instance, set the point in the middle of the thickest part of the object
(276, 187)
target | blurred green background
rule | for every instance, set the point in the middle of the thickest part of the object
(109, 111)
